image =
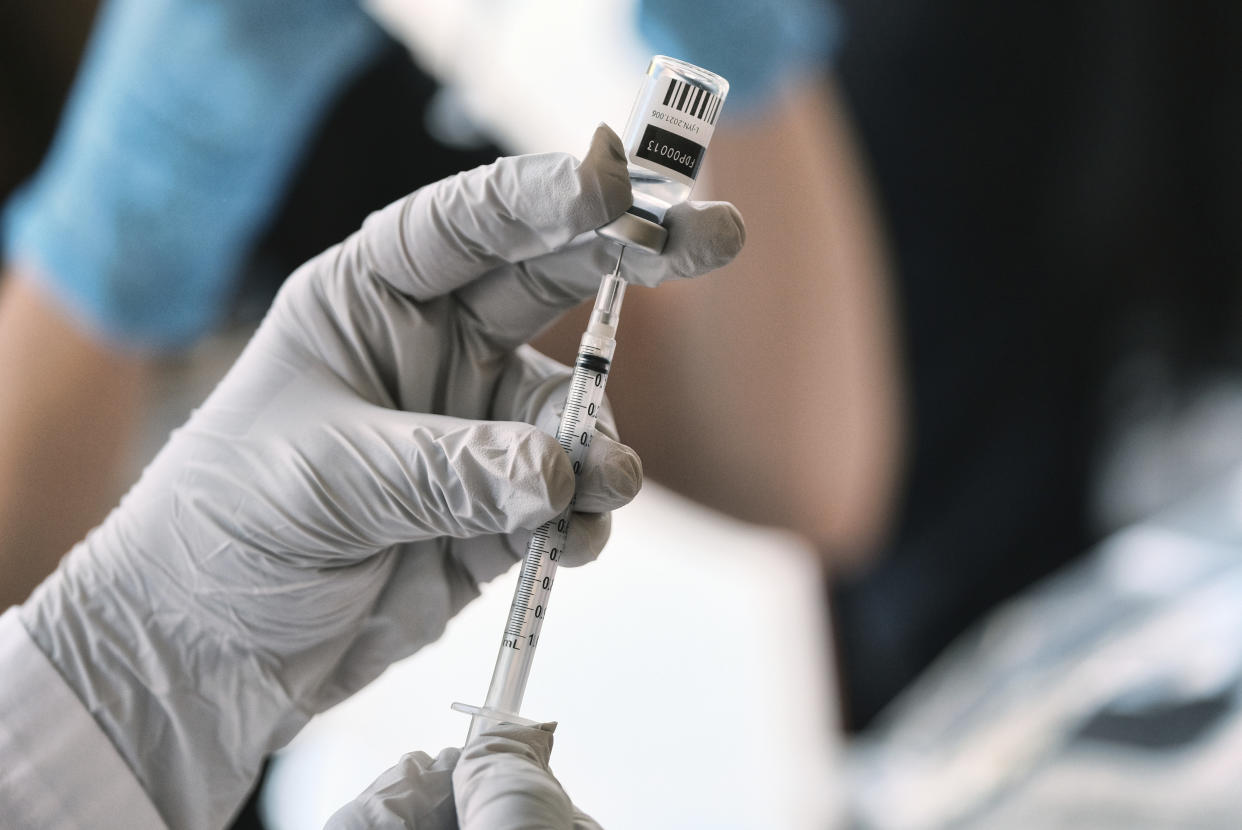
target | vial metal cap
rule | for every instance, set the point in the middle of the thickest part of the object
(634, 231)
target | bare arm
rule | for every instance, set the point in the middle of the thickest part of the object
(771, 390)
(68, 411)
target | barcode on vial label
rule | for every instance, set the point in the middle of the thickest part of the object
(692, 100)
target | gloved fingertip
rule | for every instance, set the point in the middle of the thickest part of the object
(588, 534)
(554, 466)
(559, 474)
(504, 476)
(703, 236)
(623, 471)
(447, 758)
(739, 226)
(604, 169)
(605, 135)
(629, 479)
(718, 233)
(611, 479)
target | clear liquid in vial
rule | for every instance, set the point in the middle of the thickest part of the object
(653, 193)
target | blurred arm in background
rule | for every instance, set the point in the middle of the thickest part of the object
(772, 391)
(69, 406)
(183, 126)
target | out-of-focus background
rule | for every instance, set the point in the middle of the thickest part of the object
(945, 501)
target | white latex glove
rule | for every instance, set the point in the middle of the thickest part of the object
(365, 464)
(500, 781)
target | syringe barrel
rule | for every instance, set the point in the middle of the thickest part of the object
(539, 565)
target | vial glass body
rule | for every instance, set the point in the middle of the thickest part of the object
(666, 138)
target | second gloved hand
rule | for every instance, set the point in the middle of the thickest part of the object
(500, 781)
(366, 463)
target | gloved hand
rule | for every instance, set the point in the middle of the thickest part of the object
(500, 780)
(365, 464)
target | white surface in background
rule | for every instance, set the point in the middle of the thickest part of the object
(689, 669)
(538, 74)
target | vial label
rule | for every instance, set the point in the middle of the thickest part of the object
(669, 150)
(680, 119)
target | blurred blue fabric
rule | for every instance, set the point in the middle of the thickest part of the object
(757, 45)
(185, 121)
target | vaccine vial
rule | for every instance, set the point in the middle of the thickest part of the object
(666, 139)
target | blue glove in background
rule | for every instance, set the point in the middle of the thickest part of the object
(754, 44)
(185, 121)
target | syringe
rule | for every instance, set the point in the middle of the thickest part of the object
(670, 126)
(538, 573)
